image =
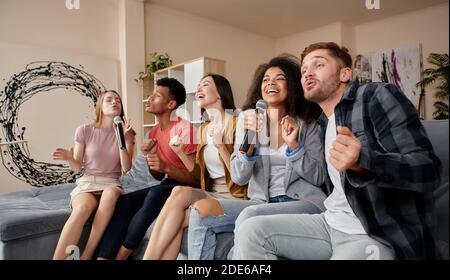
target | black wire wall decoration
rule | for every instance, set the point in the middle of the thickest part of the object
(39, 78)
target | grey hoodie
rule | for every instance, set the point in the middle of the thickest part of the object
(305, 173)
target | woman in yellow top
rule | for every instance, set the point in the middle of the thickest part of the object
(212, 167)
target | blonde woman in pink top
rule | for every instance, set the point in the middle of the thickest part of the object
(103, 162)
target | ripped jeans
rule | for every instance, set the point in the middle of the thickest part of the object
(202, 231)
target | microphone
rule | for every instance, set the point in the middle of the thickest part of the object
(261, 107)
(119, 132)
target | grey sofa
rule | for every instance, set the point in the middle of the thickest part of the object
(31, 220)
(438, 134)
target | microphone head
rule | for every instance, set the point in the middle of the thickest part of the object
(261, 105)
(117, 119)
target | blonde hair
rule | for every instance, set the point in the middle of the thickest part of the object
(98, 107)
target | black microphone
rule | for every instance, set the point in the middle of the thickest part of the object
(119, 132)
(261, 107)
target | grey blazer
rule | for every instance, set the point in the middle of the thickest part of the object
(305, 169)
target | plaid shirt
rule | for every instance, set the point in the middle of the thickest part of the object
(395, 205)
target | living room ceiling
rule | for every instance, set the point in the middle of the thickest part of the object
(279, 18)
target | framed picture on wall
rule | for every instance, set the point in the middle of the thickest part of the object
(400, 66)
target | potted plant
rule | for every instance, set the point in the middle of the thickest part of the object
(438, 74)
(158, 61)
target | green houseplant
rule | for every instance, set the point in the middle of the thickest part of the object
(438, 74)
(158, 61)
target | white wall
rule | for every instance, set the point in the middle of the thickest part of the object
(132, 61)
(185, 37)
(98, 30)
(429, 27)
(295, 43)
(93, 29)
(89, 35)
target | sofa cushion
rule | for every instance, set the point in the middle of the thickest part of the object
(34, 211)
(41, 210)
(438, 134)
(441, 221)
(139, 176)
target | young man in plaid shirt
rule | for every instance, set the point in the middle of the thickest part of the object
(381, 174)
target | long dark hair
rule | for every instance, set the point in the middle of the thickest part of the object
(296, 104)
(224, 89)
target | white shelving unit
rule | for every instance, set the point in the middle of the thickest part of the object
(189, 74)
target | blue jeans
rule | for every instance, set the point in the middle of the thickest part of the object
(305, 237)
(202, 231)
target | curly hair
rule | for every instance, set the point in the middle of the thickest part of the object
(296, 104)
